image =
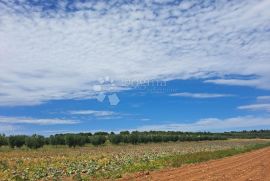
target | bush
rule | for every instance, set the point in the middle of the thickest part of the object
(98, 140)
(134, 138)
(57, 139)
(73, 140)
(35, 141)
(16, 141)
(116, 139)
(101, 133)
(3, 140)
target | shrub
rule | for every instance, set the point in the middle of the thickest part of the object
(16, 141)
(73, 140)
(57, 139)
(3, 140)
(97, 140)
(35, 141)
(116, 139)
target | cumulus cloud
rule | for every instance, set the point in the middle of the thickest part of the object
(60, 49)
(200, 95)
(214, 124)
(23, 120)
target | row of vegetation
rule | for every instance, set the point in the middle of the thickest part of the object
(135, 137)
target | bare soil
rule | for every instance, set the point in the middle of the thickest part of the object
(251, 166)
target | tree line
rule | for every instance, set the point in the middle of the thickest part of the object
(100, 138)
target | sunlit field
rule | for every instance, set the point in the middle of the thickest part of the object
(108, 161)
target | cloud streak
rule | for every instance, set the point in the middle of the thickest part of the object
(34, 121)
(256, 107)
(200, 95)
(93, 113)
(263, 98)
(214, 124)
(260, 82)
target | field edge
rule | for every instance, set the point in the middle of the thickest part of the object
(178, 160)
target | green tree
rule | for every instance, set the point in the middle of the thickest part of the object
(124, 132)
(116, 139)
(98, 140)
(3, 140)
(134, 138)
(58, 139)
(16, 141)
(73, 140)
(35, 141)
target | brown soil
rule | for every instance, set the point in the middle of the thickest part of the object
(252, 166)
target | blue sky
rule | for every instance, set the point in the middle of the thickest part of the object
(78, 66)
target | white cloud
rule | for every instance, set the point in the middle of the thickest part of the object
(24, 120)
(94, 113)
(263, 98)
(145, 119)
(185, 5)
(262, 104)
(200, 95)
(60, 55)
(256, 107)
(214, 124)
(259, 83)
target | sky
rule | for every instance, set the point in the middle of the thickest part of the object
(177, 65)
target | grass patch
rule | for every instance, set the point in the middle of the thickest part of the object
(178, 160)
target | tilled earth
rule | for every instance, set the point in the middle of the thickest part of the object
(251, 166)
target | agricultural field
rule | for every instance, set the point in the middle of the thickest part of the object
(108, 161)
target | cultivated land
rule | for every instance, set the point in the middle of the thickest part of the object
(116, 161)
(249, 166)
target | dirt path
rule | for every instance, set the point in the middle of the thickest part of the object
(252, 166)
